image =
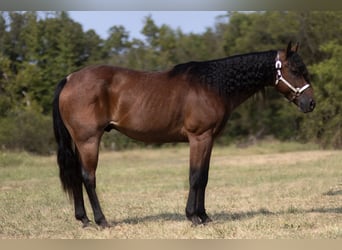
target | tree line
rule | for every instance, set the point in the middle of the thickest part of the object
(38, 49)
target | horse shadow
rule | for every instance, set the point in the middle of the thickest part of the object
(178, 217)
(220, 217)
(151, 218)
(224, 216)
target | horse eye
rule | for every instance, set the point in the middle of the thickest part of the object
(295, 72)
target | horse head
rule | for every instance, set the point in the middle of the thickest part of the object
(292, 79)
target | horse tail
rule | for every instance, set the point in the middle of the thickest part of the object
(67, 157)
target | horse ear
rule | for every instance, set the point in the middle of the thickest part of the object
(288, 49)
(296, 47)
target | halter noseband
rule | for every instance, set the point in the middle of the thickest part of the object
(296, 91)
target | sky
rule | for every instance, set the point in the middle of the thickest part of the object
(133, 21)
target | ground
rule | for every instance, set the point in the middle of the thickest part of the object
(267, 191)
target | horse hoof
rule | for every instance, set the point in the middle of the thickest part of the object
(195, 221)
(103, 224)
(206, 220)
(85, 223)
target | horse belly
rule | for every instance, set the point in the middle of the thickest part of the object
(150, 132)
(150, 121)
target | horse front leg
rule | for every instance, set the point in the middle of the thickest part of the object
(200, 152)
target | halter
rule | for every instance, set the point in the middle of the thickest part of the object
(296, 91)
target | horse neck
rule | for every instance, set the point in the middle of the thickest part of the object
(239, 77)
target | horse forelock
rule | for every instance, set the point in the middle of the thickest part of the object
(296, 61)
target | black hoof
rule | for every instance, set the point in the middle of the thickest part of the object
(86, 224)
(103, 223)
(199, 219)
(205, 219)
(195, 220)
(84, 219)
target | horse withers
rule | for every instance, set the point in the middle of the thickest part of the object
(189, 103)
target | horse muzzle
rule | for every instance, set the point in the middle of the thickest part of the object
(306, 104)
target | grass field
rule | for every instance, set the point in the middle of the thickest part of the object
(272, 190)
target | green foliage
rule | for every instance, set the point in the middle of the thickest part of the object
(37, 51)
(27, 130)
(326, 122)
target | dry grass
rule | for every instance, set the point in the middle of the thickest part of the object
(276, 190)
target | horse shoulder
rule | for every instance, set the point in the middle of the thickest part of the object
(205, 110)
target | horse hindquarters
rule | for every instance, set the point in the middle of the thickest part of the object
(77, 165)
(68, 161)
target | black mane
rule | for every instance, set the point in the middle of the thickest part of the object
(228, 75)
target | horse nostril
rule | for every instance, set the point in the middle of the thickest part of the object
(312, 105)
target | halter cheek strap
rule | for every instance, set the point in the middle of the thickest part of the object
(297, 91)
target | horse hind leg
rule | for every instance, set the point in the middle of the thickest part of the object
(77, 194)
(80, 212)
(88, 152)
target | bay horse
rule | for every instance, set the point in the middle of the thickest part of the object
(189, 103)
